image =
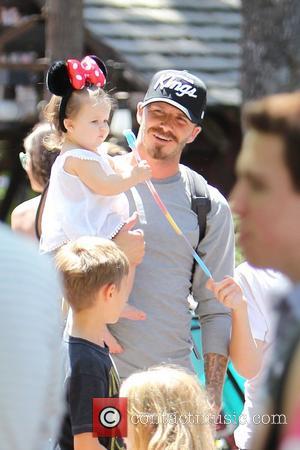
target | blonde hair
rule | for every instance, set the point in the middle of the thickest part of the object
(88, 264)
(168, 410)
(74, 103)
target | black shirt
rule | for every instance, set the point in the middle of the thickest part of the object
(90, 373)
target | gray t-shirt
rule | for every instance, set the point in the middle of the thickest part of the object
(163, 279)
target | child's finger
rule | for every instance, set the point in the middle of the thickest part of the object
(228, 293)
(210, 284)
(228, 290)
(220, 285)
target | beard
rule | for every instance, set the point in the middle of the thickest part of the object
(158, 151)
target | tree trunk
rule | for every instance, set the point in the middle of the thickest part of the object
(270, 47)
(64, 29)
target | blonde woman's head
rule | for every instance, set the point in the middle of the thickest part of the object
(167, 410)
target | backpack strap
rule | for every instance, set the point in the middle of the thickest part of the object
(200, 203)
(39, 213)
(200, 198)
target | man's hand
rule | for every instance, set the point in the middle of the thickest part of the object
(131, 241)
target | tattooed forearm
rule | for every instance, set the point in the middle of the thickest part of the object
(215, 368)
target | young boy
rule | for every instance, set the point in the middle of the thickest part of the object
(95, 274)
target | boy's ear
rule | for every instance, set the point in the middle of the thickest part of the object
(108, 291)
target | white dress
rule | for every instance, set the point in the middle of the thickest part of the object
(73, 210)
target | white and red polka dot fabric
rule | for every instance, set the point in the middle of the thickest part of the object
(87, 70)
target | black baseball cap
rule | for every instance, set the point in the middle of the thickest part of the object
(180, 89)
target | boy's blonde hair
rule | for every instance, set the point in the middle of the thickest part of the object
(76, 100)
(88, 264)
(168, 410)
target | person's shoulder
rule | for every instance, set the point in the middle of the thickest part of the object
(26, 206)
(86, 358)
(244, 268)
(216, 196)
(23, 216)
(213, 192)
(267, 278)
(219, 207)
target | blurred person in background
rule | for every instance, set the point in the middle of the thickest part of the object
(266, 198)
(31, 398)
(37, 162)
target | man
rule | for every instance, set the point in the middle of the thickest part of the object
(170, 117)
(267, 200)
(31, 400)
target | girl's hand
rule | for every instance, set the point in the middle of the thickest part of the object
(227, 291)
(142, 172)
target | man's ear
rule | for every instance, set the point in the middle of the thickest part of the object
(139, 112)
(194, 134)
(108, 291)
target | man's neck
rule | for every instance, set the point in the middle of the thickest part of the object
(161, 170)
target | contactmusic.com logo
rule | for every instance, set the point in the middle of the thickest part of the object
(110, 417)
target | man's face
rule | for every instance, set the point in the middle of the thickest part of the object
(164, 131)
(267, 205)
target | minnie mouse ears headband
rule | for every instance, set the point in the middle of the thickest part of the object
(63, 77)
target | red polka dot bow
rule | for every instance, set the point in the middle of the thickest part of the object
(85, 71)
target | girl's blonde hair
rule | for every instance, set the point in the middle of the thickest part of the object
(167, 410)
(73, 105)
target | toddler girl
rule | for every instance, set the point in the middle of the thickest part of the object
(167, 410)
(85, 196)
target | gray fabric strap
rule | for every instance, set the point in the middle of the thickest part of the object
(200, 200)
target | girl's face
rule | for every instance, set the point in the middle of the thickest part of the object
(89, 128)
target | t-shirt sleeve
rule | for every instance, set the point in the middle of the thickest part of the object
(249, 280)
(82, 389)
